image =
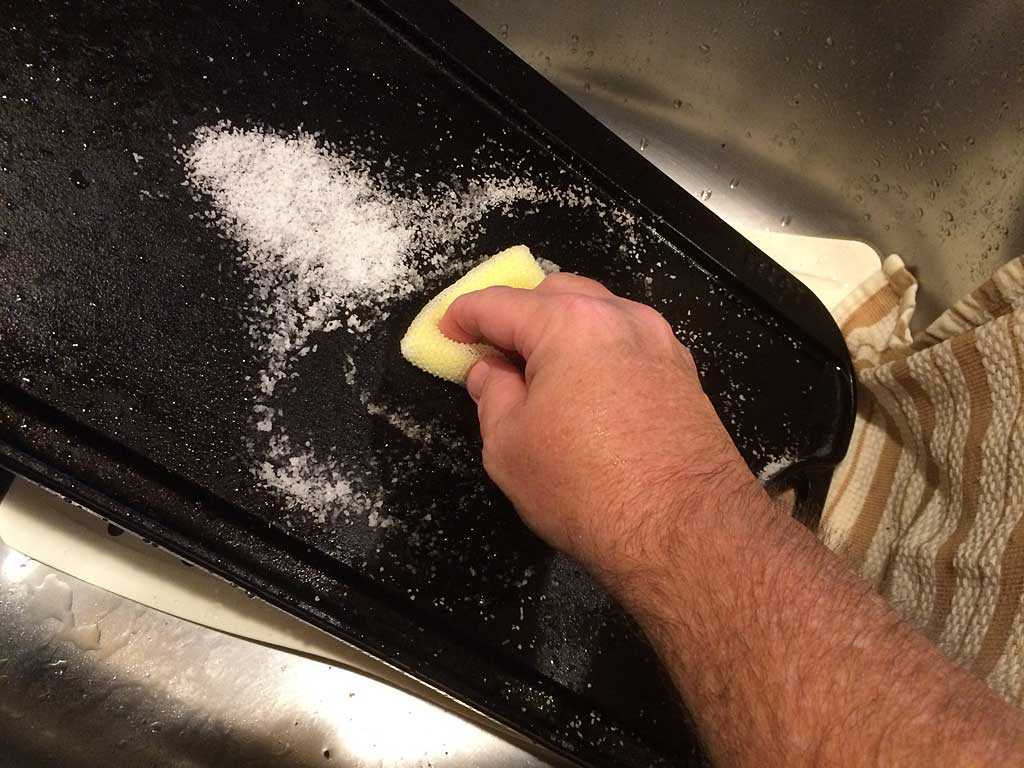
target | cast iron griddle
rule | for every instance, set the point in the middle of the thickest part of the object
(127, 372)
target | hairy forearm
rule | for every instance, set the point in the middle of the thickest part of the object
(782, 656)
(785, 657)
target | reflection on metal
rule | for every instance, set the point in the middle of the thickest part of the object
(88, 678)
(900, 124)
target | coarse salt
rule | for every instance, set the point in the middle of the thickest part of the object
(327, 245)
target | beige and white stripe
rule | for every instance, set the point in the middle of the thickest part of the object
(907, 484)
(912, 573)
(977, 562)
(929, 503)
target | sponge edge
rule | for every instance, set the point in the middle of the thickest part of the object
(427, 348)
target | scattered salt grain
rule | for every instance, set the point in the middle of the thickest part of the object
(548, 267)
(774, 467)
(326, 245)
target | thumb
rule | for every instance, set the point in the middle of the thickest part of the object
(498, 387)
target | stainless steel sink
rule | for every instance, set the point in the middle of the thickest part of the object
(90, 679)
(899, 124)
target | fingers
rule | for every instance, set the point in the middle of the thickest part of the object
(567, 282)
(509, 318)
(498, 388)
(452, 330)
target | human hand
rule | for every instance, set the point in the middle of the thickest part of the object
(605, 442)
(610, 451)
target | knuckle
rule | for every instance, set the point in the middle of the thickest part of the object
(582, 309)
(557, 279)
(686, 362)
(591, 283)
(572, 282)
(576, 303)
(653, 322)
(687, 356)
(652, 317)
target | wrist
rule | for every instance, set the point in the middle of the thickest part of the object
(683, 528)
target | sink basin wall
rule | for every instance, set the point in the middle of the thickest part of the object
(899, 124)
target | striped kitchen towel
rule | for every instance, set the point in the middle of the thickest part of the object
(929, 503)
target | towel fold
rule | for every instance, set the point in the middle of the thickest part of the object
(929, 503)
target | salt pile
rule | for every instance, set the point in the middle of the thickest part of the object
(306, 209)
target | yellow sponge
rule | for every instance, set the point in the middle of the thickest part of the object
(426, 347)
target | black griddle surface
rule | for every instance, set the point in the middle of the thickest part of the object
(128, 373)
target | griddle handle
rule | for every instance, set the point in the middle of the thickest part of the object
(810, 487)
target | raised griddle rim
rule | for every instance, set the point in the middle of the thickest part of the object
(503, 81)
(481, 64)
(575, 133)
